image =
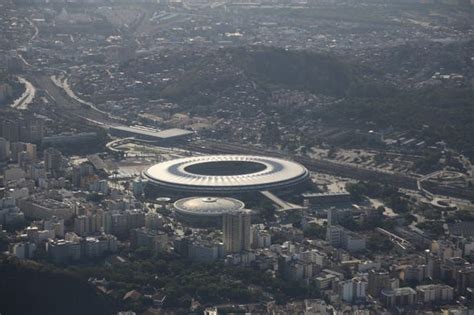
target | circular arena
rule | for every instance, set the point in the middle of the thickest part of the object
(205, 212)
(225, 174)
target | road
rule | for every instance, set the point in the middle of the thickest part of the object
(64, 85)
(72, 107)
(35, 35)
(27, 97)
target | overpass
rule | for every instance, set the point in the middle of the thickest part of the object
(393, 237)
(280, 203)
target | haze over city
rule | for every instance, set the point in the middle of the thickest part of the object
(225, 157)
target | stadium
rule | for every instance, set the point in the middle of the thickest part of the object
(231, 175)
(205, 212)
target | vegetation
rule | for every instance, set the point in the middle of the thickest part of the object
(363, 94)
(31, 288)
(464, 215)
(16, 88)
(183, 280)
(376, 244)
(269, 67)
(443, 113)
(389, 194)
(433, 227)
(314, 231)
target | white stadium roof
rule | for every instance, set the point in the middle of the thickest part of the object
(226, 173)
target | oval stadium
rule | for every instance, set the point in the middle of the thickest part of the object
(205, 212)
(225, 175)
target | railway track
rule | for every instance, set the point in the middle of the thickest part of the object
(333, 168)
(323, 166)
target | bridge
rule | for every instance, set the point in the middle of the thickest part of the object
(280, 203)
(393, 237)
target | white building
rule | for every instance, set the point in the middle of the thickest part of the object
(56, 225)
(100, 186)
(38, 236)
(45, 208)
(434, 293)
(23, 250)
(88, 224)
(9, 212)
(445, 249)
(314, 256)
(147, 238)
(353, 242)
(353, 290)
(260, 238)
(337, 236)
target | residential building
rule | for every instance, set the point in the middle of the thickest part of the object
(236, 230)
(398, 297)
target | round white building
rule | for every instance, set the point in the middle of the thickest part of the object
(225, 174)
(205, 211)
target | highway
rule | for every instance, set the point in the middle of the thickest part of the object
(70, 107)
(27, 97)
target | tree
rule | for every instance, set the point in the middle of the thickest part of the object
(357, 191)
(314, 231)
(375, 243)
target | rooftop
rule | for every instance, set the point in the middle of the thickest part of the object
(208, 205)
(164, 134)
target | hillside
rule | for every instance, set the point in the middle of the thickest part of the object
(227, 68)
(29, 288)
(394, 88)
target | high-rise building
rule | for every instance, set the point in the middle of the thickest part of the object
(9, 212)
(4, 150)
(56, 225)
(74, 248)
(236, 230)
(261, 238)
(433, 293)
(398, 297)
(31, 150)
(335, 235)
(464, 279)
(31, 130)
(37, 171)
(81, 225)
(332, 216)
(23, 250)
(15, 149)
(353, 290)
(88, 224)
(52, 160)
(23, 160)
(23, 129)
(147, 238)
(22, 152)
(379, 280)
(10, 130)
(121, 222)
(84, 170)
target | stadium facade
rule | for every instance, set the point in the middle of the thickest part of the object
(224, 175)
